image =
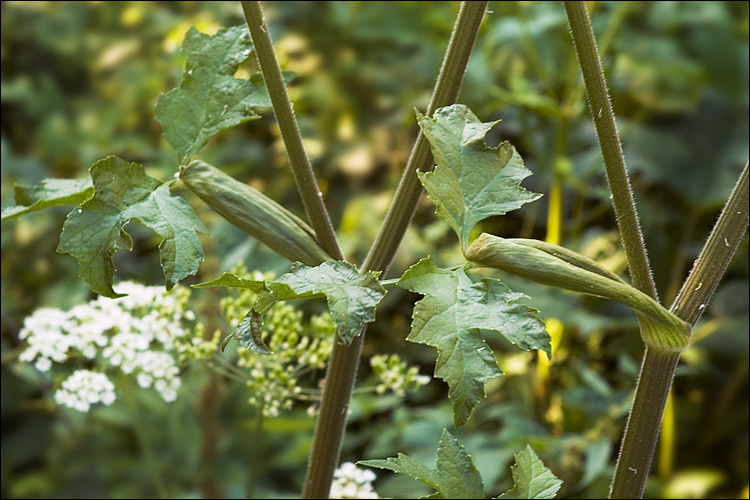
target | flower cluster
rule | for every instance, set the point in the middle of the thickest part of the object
(141, 334)
(298, 348)
(196, 346)
(396, 375)
(274, 378)
(349, 481)
(85, 388)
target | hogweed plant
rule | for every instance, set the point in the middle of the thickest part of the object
(459, 311)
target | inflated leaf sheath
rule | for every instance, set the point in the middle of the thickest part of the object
(254, 213)
(554, 266)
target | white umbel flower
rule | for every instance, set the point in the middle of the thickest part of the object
(349, 481)
(159, 369)
(46, 333)
(139, 334)
(85, 388)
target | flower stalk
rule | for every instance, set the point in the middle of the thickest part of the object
(658, 365)
(609, 141)
(344, 361)
(304, 176)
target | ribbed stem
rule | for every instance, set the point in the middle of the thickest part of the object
(642, 429)
(609, 141)
(409, 190)
(302, 171)
(344, 361)
(716, 254)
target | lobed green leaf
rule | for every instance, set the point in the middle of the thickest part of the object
(531, 479)
(352, 296)
(451, 318)
(94, 232)
(48, 193)
(455, 475)
(210, 99)
(471, 180)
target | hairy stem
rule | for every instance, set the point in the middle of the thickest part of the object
(303, 173)
(609, 141)
(642, 429)
(716, 254)
(409, 190)
(344, 361)
(657, 369)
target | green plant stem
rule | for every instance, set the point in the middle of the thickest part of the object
(716, 254)
(642, 429)
(304, 177)
(409, 189)
(148, 457)
(344, 360)
(207, 407)
(657, 368)
(609, 141)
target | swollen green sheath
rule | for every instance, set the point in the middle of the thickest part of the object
(254, 213)
(557, 266)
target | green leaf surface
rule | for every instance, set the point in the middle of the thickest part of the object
(531, 479)
(451, 317)
(403, 464)
(454, 477)
(234, 281)
(48, 193)
(352, 296)
(471, 180)
(93, 232)
(210, 99)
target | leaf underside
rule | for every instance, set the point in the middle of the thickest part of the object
(94, 232)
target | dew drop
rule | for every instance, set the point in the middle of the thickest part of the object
(701, 306)
(80, 211)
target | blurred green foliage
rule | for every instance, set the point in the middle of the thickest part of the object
(80, 80)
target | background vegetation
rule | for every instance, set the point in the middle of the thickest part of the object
(80, 80)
